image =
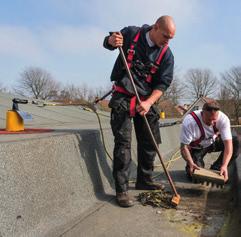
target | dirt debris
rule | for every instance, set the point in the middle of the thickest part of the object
(159, 198)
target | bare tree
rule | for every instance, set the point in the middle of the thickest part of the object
(70, 93)
(200, 82)
(74, 93)
(82, 93)
(176, 90)
(78, 93)
(84, 90)
(224, 93)
(232, 86)
(91, 95)
(225, 101)
(98, 92)
(38, 83)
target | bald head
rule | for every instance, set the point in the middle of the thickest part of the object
(166, 22)
(163, 30)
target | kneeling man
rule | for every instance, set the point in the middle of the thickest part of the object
(204, 131)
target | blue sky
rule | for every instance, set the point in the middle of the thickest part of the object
(65, 37)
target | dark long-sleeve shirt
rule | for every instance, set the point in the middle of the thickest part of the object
(145, 54)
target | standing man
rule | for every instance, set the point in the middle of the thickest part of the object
(151, 63)
(204, 131)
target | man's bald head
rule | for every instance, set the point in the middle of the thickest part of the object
(163, 30)
(166, 22)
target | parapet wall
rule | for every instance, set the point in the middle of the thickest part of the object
(44, 182)
(52, 179)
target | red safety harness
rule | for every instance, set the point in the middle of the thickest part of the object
(132, 101)
(199, 123)
(153, 70)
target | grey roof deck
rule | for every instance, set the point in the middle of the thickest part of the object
(60, 183)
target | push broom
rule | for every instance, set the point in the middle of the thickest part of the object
(176, 197)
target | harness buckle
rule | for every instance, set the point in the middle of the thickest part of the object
(131, 51)
(154, 68)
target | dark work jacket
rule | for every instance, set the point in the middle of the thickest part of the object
(161, 80)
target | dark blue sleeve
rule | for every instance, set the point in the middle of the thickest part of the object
(165, 73)
(107, 45)
(127, 32)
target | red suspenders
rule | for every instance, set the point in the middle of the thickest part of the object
(196, 118)
(196, 143)
(157, 64)
(131, 51)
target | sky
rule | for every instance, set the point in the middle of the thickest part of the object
(65, 37)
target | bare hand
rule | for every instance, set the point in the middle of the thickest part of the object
(192, 167)
(224, 172)
(116, 39)
(143, 108)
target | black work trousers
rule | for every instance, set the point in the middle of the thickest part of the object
(121, 124)
(198, 154)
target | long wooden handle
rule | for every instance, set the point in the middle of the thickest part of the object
(146, 122)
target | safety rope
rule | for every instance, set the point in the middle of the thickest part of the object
(91, 108)
(101, 129)
(167, 164)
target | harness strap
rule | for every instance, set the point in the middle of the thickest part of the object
(215, 128)
(196, 118)
(131, 51)
(197, 142)
(132, 101)
(156, 65)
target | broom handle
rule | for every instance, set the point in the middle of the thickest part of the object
(146, 122)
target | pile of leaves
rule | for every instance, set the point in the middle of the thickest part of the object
(158, 198)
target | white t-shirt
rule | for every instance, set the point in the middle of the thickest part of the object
(190, 131)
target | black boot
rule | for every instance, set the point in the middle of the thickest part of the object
(124, 200)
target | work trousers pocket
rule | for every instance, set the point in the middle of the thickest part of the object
(121, 126)
(142, 132)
